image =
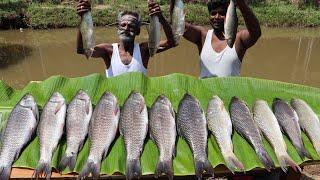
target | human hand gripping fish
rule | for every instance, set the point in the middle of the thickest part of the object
(154, 27)
(86, 27)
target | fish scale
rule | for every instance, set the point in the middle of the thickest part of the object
(219, 123)
(289, 121)
(133, 128)
(50, 130)
(20, 126)
(244, 124)
(192, 127)
(78, 117)
(308, 120)
(102, 132)
(163, 132)
(269, 126)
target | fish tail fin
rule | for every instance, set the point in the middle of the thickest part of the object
(5, 172)
(233, 163)
(285, 160)
(265, 158)
(165, 167)
(90, 167)
(69, 161)
(43, 168)
(203, 166)
(303, 153)
(133, 169)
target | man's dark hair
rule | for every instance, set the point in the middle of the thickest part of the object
(133, 13)
(214, 4)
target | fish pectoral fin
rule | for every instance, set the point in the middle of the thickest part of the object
(178, 131)
(81, 144)
(116, 110)
(172, 112)
(151, 137)
(105, 153)
(141, 106)
(87, 104)
(35, 112)
(174, 152)
(59, 106)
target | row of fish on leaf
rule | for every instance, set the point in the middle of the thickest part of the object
(191, 123)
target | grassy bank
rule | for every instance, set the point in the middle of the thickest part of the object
(49, 15)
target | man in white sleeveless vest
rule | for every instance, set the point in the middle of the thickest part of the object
(216, 57)
(126, 56)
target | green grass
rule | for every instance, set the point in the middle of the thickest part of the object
(47, 15)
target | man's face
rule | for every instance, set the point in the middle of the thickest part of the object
(217, 18)
(128, 27)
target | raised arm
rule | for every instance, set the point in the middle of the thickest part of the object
(195, 34)
(101, 50)
(249, 36)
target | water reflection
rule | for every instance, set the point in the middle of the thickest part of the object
(289, 55)
(13, 53)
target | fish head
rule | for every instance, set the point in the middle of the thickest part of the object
(110, 98)
(191, 99)
(56, 97)
(260, 102)
(235, 99)
(216, 101)
(128, 26)
(28, 101)
(217, 14)
(82, 95)
(136, 96)
(163, 100)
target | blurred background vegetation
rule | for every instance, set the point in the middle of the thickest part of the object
(42, 14)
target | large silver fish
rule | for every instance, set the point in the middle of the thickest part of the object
(86, 29)
(178, 20)
(269, 126)
(154, 34)
(134, 127)
(244, 124)
(102, 131)
(49, 131)
(78, 117)
(219, 123)
(231, 24)
(289, 123)
(163, 133)
(192, 126)
(308, 120)
(19, 129)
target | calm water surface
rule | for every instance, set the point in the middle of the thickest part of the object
(290, 55)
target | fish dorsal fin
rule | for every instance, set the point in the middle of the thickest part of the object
(116, 110)
(172, 112)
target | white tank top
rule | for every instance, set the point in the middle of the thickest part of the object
(224, 63)
(117, 67)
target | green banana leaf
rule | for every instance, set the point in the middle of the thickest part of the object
(174, 87)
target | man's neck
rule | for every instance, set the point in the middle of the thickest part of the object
(219, 34)
(126, 46)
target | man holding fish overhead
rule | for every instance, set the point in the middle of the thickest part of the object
(222, 48)
(127, 55)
